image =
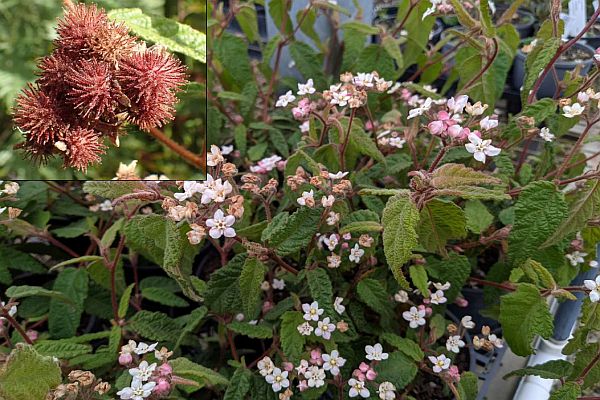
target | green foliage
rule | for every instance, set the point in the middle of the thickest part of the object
(64, 318)
(553, 369)
(407, 346)
(397, 368)
(197, 373)
(440, 221)
(523, 315)
(477, 216)
(292, 233)
(223, 291)
(568, 391)
(27, 375)
(251, 277)
(154, 326)
(400, 218)
(292, 342)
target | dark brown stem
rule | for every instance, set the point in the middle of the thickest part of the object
(403, 22)
(188, 156)
(58, 244)
(283, 264)
(588, 368)
(346, 140)
(575, 148)
(113, 272)
(492, 284)
(483, 70)
(588, 175)
(17, 326)
(438, 158)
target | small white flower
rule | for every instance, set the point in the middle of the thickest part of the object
(363, 80)
(11, 312)
(594, 287)
(305, 329)
(337, 175)
(583, 97)
(106, 205)
(143, 348)
(265, 366)
(573, 110)
(327, 201)
(143, 372)
(467, 323)
(358, 388)
(440, 286)
(278, 379)
(221, 225)
(10, 188)
(481, 148)
(457, 105)
(386, 391)
(546, 135)
(356, 253)
(401, 296)
(496, 341)
(437, 297)
(189, 189)
(285, 99)
(334, 261)
(305, 126)
(333, 362)
(324, 328)
(265, 285)
(214, 157)
(338, 306)
(593, 264)
(432, 9)
(226, 150)
(375, 352)
(137, 391)
(307, 88)
(440, 363)
(315, 376)
(415, 317)
(454, 343)
(278, 284)
(576, 258)
(333, 218)
(487, 123)
(331, 242)
(307, 199)
(312, 311)
(397, 142)
(303, 367)
(415, 112)
(476, 109)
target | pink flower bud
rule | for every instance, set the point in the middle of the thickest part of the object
(454, 373)
(428, 311)
(369, 126)
(461, 302)
(281, 165)
(371, 374)
(315, 357)
(125, 359)
(436, 127)
(458, 132)
(359, 375)
(32, 335)
(165, 369)
(288, 366)
(163, 387)
(426, 301)
(345, 245)
(267, 306)
(363, 367)
(302, 385)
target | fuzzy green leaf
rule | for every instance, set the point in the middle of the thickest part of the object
(112, 189)
(64, 318)
(195, 372)
(400, 219)
(568, 391)
(154, 326)
(553, 369)
(397, 368)
(407, 346)
(223, 290)
(179, 38)
(523, 315)
(239, 385)
(456, 269)
(251, 277)
(373, 294)
(297, 231)
(61, 348)
(27, 375)
(477, 215)
(292, 342)
(440, 221)
(260, 331)
(163, 297)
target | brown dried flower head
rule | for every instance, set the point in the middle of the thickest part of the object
(97, 78)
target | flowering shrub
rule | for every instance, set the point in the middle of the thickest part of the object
(325, 260)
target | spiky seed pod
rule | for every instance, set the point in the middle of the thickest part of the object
(39, 117)
(150, 81)
(53, 69)
(91, 90)
(85, 31)
(83, 147)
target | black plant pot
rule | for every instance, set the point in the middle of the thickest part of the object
(548, 87)
(525, 24)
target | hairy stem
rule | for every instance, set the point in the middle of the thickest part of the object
(188, 156)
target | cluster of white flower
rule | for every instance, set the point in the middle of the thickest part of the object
(576, 257)
(312, 313)
(594, 287)
(146, 378)
(274, 376)
(416, 315)
(267, 164)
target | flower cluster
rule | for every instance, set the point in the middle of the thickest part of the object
(146, 379)
(97, 78)
(82, 385)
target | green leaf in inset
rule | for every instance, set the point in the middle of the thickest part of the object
(523, 315)
(400, 219)
(154, 326)
(176, 37)
(251, 277)
(568, 391)
(112, 189)
(64, 318)
(27, 375)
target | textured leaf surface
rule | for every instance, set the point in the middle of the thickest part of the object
(61, 349)
(203, 376)
(64, 318)
(453, 175)
(400, 219)
(456, 269)
(440, 221)
(538, 213)
(407, 346)
(27, 375)
(239, 385)
(112, 189)
(568, 391)
(154, 326)
(477, 215)
(251, 277)
(292, 342)
(223, 290)
(397, 368)
(297, 232)
(260, 331)
(523, 315)
(179, 38)
(372, 293)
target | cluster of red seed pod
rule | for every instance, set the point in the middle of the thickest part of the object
(97, 78)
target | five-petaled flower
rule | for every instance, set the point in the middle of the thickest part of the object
(594, 287)
(221, 225)
(137, 391)
(415, 317)
(440, 363)
(375, 352)
(312, 312)
(481, 148)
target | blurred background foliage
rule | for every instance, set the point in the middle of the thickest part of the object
(27, 29)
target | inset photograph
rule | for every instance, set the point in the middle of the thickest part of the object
(102, 90)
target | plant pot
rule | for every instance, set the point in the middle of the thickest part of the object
(524, 22)
(592, 38)
(387, 17)
(548, 87)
